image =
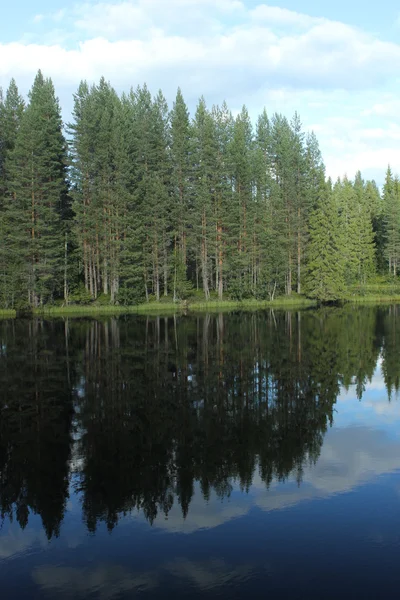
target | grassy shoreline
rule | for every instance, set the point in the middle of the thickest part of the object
(173, 308)
(168, 308)
(373, 299)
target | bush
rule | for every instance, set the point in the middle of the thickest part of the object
(238, 291)
(103, 300)
(80, 296)
(129, 296)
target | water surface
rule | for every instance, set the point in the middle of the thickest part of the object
(218, 456)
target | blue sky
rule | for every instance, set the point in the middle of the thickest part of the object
(336, 63)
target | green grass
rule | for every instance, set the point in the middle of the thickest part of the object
(171, 307)
(380, 291)
(370, 294)
(373, 299)
(282, 302)
(81, 311)
(7, 314)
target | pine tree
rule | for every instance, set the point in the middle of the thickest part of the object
(204, 152)
(301, 198)
(162, 203)
(223, 126)
(180, 164)
(11, 111)
(271, 257)
(241, 209)
(284, 196)
(325, 260)
(37, 169)
(358, 240)
(374, 204)
(391, 221)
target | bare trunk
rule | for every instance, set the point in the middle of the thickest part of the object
(85, 265)
(145, 284)
(298, 260)
(220, 265)
(204, 259)
(105, 276)
(90, 269)
(66, 269)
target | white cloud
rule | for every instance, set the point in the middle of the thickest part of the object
(112, 581)
(224, 50)
(388, 108)
(16, 541)
(274, 15)
(59, 15)
(350, 457)
(118, 20)
(324, 54)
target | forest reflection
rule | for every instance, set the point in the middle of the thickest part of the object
(131, 412)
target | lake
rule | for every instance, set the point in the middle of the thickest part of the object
(214, 456)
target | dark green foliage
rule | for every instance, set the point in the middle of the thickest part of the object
(164, 205)
(325, 264)
(37, 205)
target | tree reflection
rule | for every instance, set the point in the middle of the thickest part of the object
(35, 422)
(142, 409)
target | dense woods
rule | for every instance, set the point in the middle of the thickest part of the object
(136, 201)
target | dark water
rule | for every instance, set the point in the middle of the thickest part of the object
(227, 456)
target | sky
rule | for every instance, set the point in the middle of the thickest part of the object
(336, 63)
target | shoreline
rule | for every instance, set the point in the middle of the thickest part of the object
(161, 308)
(168, 308)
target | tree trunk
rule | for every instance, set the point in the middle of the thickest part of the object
(220, 264)
(66, 269)
(204, 258)
(298, 257)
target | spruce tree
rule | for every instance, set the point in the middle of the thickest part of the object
(283, 196)
(204, 152)
(223, 126)
(37, 171)
(241, 208)
(325, 259)
(180, 197)
(391, 221)
(300, 197)
(11, 111)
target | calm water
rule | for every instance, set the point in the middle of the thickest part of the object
(222, 456)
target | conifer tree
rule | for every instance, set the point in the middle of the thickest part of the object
(285, 209)
(224, 125)
(202, 165)
(301, 198)
(241, 208)
(180, 164)
(37, 171)
(325, 259)
(163, 203)
(391, 220)
(11, 111)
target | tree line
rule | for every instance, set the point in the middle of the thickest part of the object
(134, 200)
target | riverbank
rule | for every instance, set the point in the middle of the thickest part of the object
(373, 299)
(170, 308)
(161, 308)
(178, 307)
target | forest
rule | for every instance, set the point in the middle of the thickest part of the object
(135, 201)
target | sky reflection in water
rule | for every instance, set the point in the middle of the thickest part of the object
(219, 456)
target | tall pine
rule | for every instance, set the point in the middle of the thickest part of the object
(37, 172)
